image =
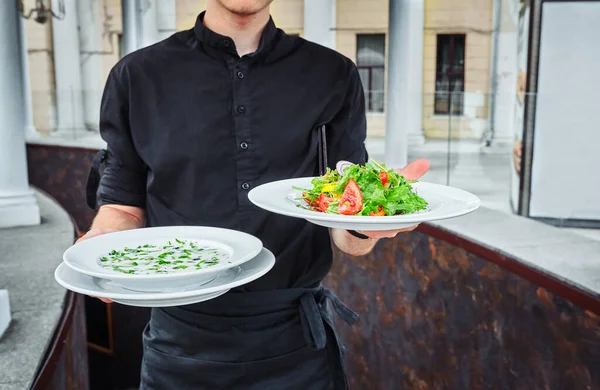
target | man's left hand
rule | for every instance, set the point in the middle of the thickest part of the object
(412, 171)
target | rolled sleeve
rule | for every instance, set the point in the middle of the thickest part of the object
(348, 129)
(124, 177)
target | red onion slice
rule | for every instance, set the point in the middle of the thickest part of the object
(341, 165)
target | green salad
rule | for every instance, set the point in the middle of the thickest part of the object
(172, 256)
(367, 190)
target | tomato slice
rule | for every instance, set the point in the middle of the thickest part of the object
(379, 213)
(352, 201)
(323, 202)
(383, 176)
(314, 203)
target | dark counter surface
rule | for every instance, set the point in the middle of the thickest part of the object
(570, 258)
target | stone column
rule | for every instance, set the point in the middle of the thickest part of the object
(506, 76)
(18, 205)
(320, 22)
(67, 69)
(130, 28)
(30, 130)
(90, 49)
(404, 110)
(141, 23)
(147, 22)
(167, 19)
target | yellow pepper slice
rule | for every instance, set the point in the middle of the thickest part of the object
(329, 187)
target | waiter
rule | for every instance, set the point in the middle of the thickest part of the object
(192, 124)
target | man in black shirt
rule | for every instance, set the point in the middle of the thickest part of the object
(192, 124)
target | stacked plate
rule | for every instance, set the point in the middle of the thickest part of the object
(163, 266)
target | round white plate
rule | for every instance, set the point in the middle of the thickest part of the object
(102, 288)
(444, 202)
(170, 302)
(84, 257)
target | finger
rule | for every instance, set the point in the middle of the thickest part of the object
(376, 234)
(90, 234)
(388, 234)
(105, 300)
(415, 169)
(94, 233)
(379, 234)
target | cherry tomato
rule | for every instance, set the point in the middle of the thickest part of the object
(323, 202)
(352, 201)
(379, 213)
(383, 176)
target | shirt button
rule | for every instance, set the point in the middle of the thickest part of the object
(244, 145)
(226, 43)
(240, 75)
(241, 109)
(246, 186)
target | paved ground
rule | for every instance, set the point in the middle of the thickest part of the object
(482, 171)
(29, 256)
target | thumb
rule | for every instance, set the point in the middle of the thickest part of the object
(415, 169)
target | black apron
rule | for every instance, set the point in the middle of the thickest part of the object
(270, 340)
(267, 340)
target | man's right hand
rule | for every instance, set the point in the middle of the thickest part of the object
(96, 232)
(93, 233)
(119, 218)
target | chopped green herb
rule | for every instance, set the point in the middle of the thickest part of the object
(147, 258)
(383, 190)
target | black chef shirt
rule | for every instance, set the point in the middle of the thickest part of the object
(191, 127)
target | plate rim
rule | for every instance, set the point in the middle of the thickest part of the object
(249, 255)
(367, 220)
(269, 258)
(168, 301)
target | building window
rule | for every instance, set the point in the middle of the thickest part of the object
(370, 60)
(450, 74)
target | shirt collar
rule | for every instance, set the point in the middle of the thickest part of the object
(211, 38)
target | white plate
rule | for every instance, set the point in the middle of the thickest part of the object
(102, 288)
(444, 202)
(170, 302)
(84, 256)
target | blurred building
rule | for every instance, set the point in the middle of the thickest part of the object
(458, 88)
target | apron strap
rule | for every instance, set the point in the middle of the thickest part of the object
(311, 316)
(340, 308)
(312, 322)
(93, 180)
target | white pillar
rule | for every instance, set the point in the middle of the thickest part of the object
(147, 22)
(18, 205)
(320, 22)
(506, 77)
(90, 49)
(130, 27)
(140, 23)
(30, 130)
(67, 70)
(404, 110)
(167, 18)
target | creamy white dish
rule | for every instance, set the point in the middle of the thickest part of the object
(174, 256)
